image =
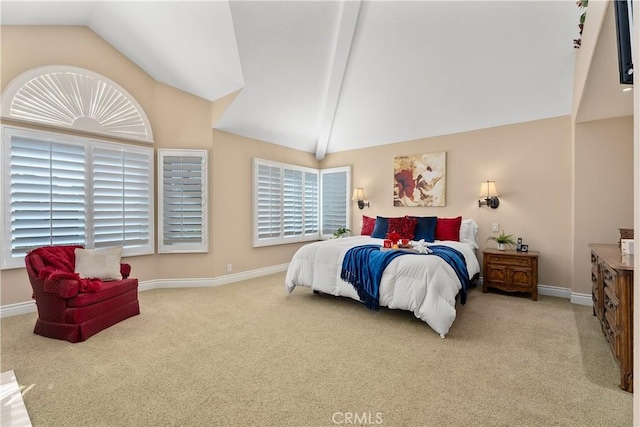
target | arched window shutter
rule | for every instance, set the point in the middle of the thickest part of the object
(75, 98)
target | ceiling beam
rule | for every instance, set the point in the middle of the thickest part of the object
(346, 31)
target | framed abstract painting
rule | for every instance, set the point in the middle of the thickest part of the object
(419, 179)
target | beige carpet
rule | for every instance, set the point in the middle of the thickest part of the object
(246, 354)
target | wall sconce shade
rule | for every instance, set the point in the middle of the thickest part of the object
(490, 194)
(358, 195)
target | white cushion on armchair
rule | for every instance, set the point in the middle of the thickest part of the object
(101, 264)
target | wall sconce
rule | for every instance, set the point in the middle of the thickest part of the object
(358, 194)
(490, 194)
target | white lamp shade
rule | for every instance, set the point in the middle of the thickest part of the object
(358, 194)
(488, 189)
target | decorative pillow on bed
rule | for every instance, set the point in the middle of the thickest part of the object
(101, 264)
(425, 228)
(469, 232)
(368, 224)
(404, 226)
(380, 229)
(448, 228)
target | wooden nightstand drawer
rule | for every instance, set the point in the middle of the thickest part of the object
(510, 271)
(496, 274)
(510, 260)
(520, 278)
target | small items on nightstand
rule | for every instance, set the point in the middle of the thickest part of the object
(521, 247)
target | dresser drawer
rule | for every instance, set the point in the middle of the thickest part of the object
(597, 310)
(611, 307)
(509, 260)
(609, 278)
(612, 334)
(594, 280)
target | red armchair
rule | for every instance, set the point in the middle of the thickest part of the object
(71, 308)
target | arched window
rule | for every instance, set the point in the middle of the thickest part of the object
(75, 98)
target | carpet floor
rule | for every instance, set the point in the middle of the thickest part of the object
(248, 354)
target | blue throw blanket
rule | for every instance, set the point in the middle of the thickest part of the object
(362, 267)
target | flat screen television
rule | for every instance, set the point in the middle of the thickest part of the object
(624, 29)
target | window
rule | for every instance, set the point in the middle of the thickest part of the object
(182, 216)
(335, 200)
(121, 188)
(75, 98)
(61, 190)
(290, 202)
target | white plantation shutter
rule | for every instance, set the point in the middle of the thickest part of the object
(292, 203)
(78, 99)
(296, 204)
(335, 212)
(311, 205)
(61, 190)
(182, 181)
(268, 195)
(46, 195)
(122, 197)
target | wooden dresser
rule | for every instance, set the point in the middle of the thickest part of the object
(510, 271)
(612, 293)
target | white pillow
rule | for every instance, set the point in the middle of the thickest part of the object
(101, 264)
(469, 232)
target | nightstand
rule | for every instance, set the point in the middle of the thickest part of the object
(510, 271)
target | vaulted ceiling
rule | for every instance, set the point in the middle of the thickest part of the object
(328, 76)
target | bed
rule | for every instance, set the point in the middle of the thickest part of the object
(423, 284)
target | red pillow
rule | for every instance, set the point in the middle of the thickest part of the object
(367, 225)
(404, 226)
(448, 229)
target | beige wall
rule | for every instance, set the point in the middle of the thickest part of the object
(603, 189)
(231, 182)
(531, 164)
(178, 120)
(26, 47)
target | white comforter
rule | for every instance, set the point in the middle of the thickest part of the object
(423, 284)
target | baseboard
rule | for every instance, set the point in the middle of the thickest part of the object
(582, 299)
(18, 309)
(147, 285)
(556, 291)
